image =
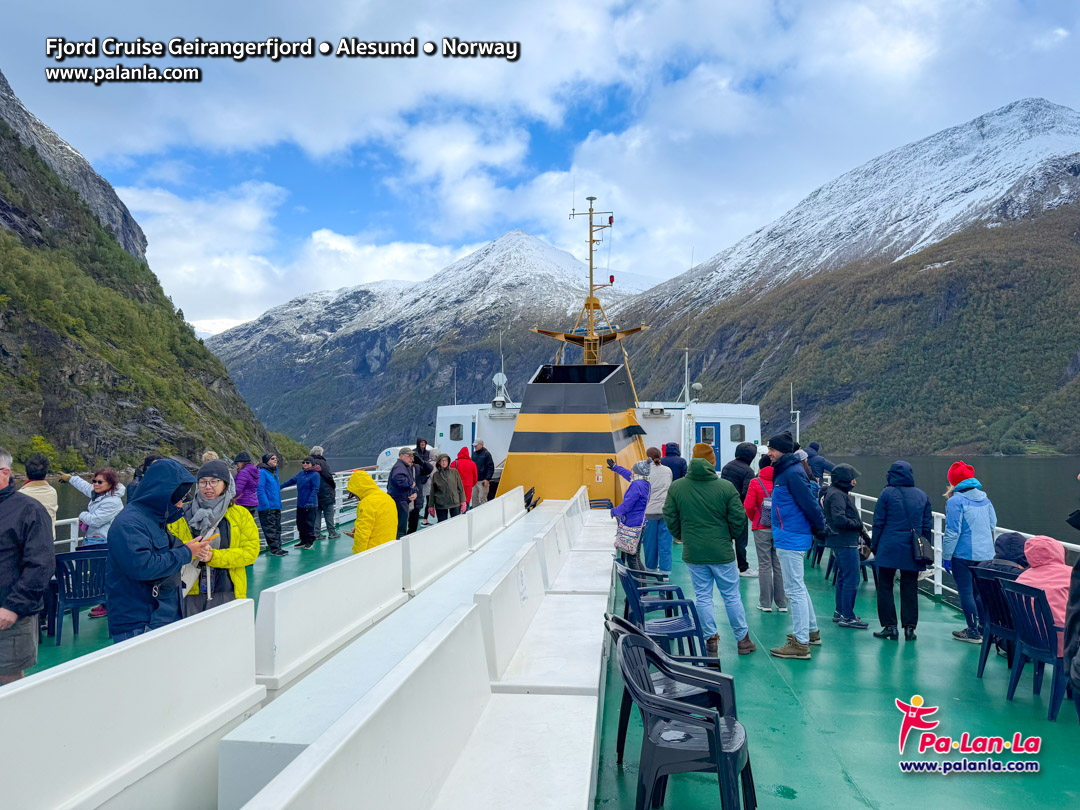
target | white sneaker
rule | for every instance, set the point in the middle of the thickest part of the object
(764, 608)
(782, 609)
(749, 572)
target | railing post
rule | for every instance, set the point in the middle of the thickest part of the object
(73, 536)
(939, 527)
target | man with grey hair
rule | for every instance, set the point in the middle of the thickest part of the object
(26, 565)
(485, 471)
(401, 486)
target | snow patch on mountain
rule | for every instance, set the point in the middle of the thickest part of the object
(1010, 163)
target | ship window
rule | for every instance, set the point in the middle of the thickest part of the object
(738, 433)
(708, 434)
(456, 432)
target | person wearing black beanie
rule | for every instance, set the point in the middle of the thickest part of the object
(783, 442)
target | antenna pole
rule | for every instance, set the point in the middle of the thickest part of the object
(686, 370)
(796, 416)
(455, 383)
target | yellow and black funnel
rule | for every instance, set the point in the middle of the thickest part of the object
(572, 419)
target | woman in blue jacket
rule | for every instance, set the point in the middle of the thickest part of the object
(631, 512)
(901, 507)
(969, 539)
(307, 501)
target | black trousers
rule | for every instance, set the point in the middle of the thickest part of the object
(270, 520)
(402, 518)
(414, 519)
(305, 523)
(740, 551)
(446, 514)
(909, 598)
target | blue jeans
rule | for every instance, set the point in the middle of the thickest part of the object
(803, 618)
(969, 600)
(138, 631)
(726, 577)
(656, 539)
(847, 580)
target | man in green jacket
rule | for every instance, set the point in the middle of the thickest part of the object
(706, 513)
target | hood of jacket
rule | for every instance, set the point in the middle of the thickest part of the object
(463, 453)
(746, 451)
(900, 475)
(843, 475)
(1010, 546)
(782, 463)
(361, 484)
(671, 449)
(971, 487)
(766, 475)
(438, 462)
(701, 470)
(165, 483)
(1041, 550)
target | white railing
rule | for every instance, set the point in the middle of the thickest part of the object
(67, 530)
(939, 534)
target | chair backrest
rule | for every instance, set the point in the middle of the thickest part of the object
(1032, 619)
(601, 503)
(633, 598)
(81, 575)
(634, 655)
(618, 627)
(989, 582)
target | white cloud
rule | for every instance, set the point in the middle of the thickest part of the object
(1051, 39)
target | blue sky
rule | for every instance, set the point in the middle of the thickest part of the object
(697, 122)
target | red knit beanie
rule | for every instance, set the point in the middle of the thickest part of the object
(960, 471)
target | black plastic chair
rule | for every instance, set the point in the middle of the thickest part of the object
(80, 582)
(1037, 641)
(680, 737)
(681, 621)
(998, 617)
(833, 568)
(618, 627)
(601, 503)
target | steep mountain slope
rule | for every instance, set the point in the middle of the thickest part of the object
(93, 356)
(1008, 164)
(363, 367)
(973, 343)
(74, 170)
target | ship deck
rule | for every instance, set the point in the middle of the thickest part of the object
(822, 733)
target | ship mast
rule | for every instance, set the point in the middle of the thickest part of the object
(591, 338)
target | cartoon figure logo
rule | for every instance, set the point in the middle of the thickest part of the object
(915, 715)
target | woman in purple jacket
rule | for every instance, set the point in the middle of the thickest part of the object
(631, 511)
(247, 483)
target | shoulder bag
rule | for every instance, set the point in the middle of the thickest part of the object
(627, 538)
(922, 549)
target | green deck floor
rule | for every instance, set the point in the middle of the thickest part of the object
(824, 732)
(265, 573)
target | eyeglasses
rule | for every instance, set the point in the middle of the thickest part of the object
(100, 481)
(207, 483)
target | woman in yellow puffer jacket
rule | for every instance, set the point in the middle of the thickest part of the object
(376, 514)
(236, 546)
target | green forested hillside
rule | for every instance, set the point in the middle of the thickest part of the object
(973, 343)
(93, 355)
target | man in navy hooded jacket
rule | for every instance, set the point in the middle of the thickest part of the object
(819, 465)
(796, 518)
(142, 573)
(673, 461)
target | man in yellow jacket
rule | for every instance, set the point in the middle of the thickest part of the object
(376, 514)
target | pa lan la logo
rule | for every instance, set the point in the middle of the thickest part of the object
(917, 714)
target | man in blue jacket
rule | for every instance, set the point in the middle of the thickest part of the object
(796, 518)
(673, 461)
(307, 501)
(270, 504)
(819, 465)
(401, 486)
(142, 573)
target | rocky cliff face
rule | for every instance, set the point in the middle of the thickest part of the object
(74, 170)
(93, 356)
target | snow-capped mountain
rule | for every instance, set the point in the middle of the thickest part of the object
(369, 343)
(1008, 164)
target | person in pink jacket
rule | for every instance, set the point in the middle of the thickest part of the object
(1049, 573)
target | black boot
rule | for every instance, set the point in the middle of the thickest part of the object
(909, 633)
(888, 632)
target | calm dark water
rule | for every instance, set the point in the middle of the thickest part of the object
(72, 502)
(1029, 494)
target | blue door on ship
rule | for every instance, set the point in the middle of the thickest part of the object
(709, 433)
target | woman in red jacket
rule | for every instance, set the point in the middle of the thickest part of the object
(770, 578)
(466, 468)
